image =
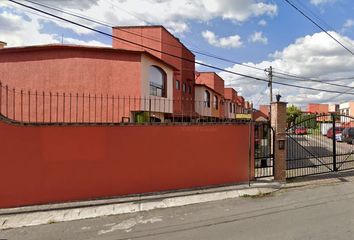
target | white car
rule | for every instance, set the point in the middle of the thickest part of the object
(339, 137)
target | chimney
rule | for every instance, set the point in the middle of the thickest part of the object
(2, 44)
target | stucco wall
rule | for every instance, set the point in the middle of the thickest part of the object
(200, 106)
(159, 104)
(72, 70)
(56, 164)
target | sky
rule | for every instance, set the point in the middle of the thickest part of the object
(259, 33)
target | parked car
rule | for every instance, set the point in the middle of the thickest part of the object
(339, 137)
(300, 131)
(336, 130)
(348, 135)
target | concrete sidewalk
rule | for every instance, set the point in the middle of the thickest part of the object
(46, 214)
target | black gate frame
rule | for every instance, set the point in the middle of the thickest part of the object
(303, 165)
(263, 155)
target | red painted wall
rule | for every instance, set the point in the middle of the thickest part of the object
(50, 164)
(264, 109)
(212, 80)
(317, 108)
(72, 70)
(69, 69)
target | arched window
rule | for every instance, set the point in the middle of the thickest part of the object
(157, 78)
(216, 102)
(207, 99)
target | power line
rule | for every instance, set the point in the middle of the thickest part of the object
(316, 81)
(324, 30)
(172, 55)
(96, 21)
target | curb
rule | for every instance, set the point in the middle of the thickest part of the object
(122, 206)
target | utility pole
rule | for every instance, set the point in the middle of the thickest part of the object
(269, 71)
(271, 138)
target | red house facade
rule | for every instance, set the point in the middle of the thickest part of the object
(170, 50)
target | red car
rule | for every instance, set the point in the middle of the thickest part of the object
(300, 131)
(336, 129)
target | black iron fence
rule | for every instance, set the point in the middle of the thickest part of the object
(46, 107)
(263, 150)
(320, 144)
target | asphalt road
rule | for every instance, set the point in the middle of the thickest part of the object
(311, 150)
(314, 212)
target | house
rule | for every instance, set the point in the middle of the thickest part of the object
(170, 50)
(316, 108)
(133, 83)
(265, 109)
(230, 98)
(209, 95)
(240, 108)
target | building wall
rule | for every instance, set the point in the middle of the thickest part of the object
(230, 96)
(159, 104)
(317, 108)
(99, 75)
(212, 80)
(200, 106)
(50, 164)
(72, 70)
(264, 109)
(165, 42)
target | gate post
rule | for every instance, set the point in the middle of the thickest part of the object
(279, 124)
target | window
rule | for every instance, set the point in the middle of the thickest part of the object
(234, 107)
(189, 89)
(157, 79)
(178, 85)
(231, 107)
(216, 102)
(184, 88)
(207, 99)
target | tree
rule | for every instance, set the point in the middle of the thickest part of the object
(307, 121)
(292, 113)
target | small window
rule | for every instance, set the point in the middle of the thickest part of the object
(207, 99)
(178, 85)
(234, 107)
(216, 102)
(231, 108)
(189, 89)
(184, 88)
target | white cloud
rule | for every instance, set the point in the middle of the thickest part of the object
(74, 41)
(21, 31)
(347, 25)
(314, 56)
(320, 2)
(223, 42)
(174, 14)
(258, 37)
(262, 23)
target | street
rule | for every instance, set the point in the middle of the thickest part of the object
(316, 211)
(312, 154)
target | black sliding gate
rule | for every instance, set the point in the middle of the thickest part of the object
(320, 144)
